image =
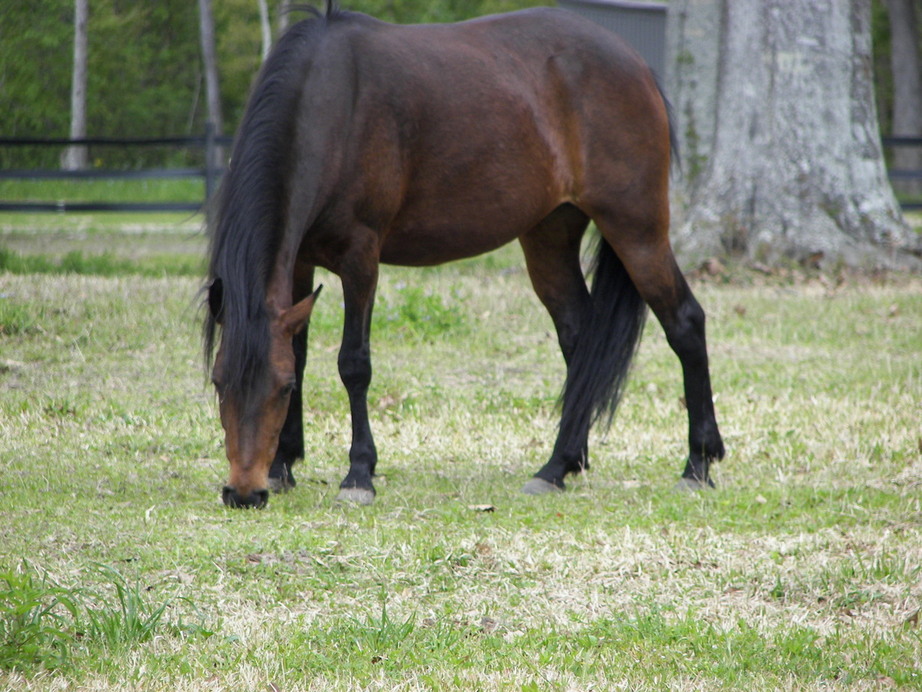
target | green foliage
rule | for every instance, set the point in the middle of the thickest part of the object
(420, 11)
(145, 74)
(35, 72)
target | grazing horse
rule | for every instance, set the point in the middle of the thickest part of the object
(365, 142)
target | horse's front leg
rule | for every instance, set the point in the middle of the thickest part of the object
(359, 279)
(291, 438)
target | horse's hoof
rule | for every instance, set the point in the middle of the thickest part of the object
(281, 479)
(539, 486)
(693, 485)
(356, 496)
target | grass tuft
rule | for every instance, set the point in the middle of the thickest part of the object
(15, 318)
(37, 619)
(415, 312)
(44, 626)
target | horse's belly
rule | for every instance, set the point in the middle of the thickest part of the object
(421, 247)
(442, 224)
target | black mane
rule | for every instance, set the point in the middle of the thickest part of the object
(247, 227)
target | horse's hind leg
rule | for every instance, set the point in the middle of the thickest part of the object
(552, 252)
(358, 270)
(647, 256)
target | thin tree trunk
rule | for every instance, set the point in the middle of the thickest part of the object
(907, 86)
(210, 61)
(283, 21)
(75, 157)
(266, 28)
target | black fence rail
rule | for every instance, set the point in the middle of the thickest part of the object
(210, 172)
(210, 143)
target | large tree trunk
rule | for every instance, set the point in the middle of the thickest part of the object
(75, 157)
(907, 86)
(780, 144)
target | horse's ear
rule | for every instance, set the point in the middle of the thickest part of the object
(216, 299)
(296, 317)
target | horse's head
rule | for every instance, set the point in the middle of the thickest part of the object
(254, 385)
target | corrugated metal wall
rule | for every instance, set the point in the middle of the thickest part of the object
(642, 24)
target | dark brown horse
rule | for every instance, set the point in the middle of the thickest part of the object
(365, 142)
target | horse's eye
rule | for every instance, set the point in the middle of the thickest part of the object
(218, 388)
(288, 388)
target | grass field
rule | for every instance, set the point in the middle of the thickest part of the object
(103, 190)
(120, 569)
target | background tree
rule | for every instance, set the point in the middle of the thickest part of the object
(75, 157)
(210, 62)
(781, 144)
(907, 86)
(265, 27)
(283, 15)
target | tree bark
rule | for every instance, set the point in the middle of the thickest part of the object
(210, 62)
(75, 157)
(907, 87)
(780, 145)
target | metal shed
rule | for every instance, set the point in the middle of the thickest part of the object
(642, 24)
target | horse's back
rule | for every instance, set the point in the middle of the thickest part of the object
(506, 49)
(570, 76)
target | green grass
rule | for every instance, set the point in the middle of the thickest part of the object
(802, 570)
(102, 190)
(105, 264)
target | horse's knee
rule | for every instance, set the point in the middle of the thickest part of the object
(355, 368)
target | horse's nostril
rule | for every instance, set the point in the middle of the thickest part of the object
(257, 498)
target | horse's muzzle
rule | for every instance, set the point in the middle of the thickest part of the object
(257, 499)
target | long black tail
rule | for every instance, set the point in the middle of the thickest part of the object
(608, 338)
